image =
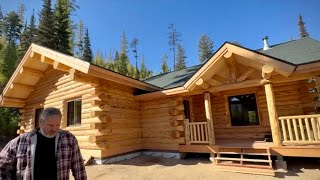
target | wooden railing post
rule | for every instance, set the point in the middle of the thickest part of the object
(187, 131)
(207, 105)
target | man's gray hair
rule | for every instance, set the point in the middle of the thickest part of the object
(50, 111)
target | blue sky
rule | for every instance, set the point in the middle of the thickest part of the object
(245, 21)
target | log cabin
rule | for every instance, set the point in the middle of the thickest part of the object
(241, 106)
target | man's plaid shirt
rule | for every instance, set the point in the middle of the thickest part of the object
(16, 159)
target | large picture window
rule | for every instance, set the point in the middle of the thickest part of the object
(37, 117)
(243, 110)
(74, 112)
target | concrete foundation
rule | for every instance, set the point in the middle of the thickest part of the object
(119, 158)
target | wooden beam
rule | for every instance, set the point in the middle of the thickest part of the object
(273, 116)
(22, 87)
(220, 79)
(212, 82)
(32, 54)
(71, 73)
(202, 84)
(243, 84)
(227, 55)
(267, 71)
(44, 59)
(32, 72)
(284, 69)
(11, 99)
(207, 105)
(245, 75)
(59, 66)
(232, 64)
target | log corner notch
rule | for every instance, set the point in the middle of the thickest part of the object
(272, 111)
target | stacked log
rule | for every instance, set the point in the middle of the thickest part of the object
(162, 123)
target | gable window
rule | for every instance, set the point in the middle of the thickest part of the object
(243, 110)
(37, 117)
(74, 112)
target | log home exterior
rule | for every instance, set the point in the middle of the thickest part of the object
(236, 100)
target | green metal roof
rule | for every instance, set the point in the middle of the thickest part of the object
(296, 52)
(173, 79)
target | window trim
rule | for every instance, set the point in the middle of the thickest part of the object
(228, 114)
(64, 122)
(35, 116)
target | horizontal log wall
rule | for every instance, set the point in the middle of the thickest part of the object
(124, 120)
(54, 90)
(162, 124)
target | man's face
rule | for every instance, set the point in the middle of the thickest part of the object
(51, 126)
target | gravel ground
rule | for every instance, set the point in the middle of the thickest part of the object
(155, 168)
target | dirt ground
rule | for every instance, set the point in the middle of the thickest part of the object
(155, 168)
(192, 168)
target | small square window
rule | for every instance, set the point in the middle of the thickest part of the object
(37, 117)
(243, 110)
(74, 112)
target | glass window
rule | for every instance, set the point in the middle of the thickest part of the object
(74, 112)
(243, 110)
(186, 109)
(37, 117)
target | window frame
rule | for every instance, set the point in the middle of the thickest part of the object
(37, 118)
(66, 116)
(228, 113)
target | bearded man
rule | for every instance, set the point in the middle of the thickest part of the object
(46, 153)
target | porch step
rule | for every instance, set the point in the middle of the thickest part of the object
(244, 160)
(246, 170)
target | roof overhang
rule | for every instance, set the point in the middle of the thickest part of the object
(36, 61)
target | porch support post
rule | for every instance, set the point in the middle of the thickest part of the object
(273, 116)
(207, 105)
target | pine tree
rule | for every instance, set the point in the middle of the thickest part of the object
(46, 26)
(181, 63)
(1, 18)
(21, 11)
(79, 43)
(205, 48)
(174, 39)
(123, 58)
(99, 59)
(62, 27)
(12, 27)
(143, 69)
(87, 52)
(164, 64)
(302, 28)
(134, 45)
(28, 36)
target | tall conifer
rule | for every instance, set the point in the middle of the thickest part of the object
(46, 26)
(181, 58)
(205, 48)
(62, 27)
(302, 28)
(87, 52)
(164, 64)
(28, 36)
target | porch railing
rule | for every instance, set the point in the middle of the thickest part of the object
(300, 129)
(196, 132)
